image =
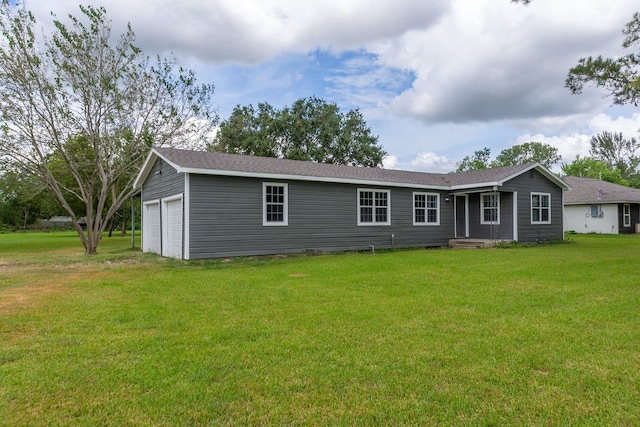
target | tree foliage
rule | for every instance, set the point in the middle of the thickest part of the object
(311, 129)
(520, 154)
(588, 167)
(479, 160)
(80, 110)
(528, 152)
(617, 152)
(23, 200)
(620, 76)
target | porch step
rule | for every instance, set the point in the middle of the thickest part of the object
(474, 243)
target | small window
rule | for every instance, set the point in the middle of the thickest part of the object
(275, 201)
(626, 215)
(374, 207)
(490, 208)
(426, 209)
(540, 208)
(595, 211)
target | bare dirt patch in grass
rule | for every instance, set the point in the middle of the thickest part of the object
(32, 285)
(19, 298)
(299, 275)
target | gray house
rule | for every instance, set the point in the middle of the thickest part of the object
(596, 206)
(206, 205)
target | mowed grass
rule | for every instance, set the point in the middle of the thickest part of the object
(523, 336)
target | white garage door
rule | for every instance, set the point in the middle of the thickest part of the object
(151, 228)
(172, 228)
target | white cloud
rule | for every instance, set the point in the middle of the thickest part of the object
(391, 162)
(422, 162)
(249, 31)
(431, 162)
(629, 126)
(493, 60)
(571, 145)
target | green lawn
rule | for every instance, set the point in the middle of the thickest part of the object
(522, 336)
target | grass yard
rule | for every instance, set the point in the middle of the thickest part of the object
(523, 336)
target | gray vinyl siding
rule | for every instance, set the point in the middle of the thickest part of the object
(226, 219)
(525, 184)
(163, 181)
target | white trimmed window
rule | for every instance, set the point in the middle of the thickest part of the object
(374, 207)
(540, 208)
(490, 208)
(426, 209)
(626, 215)
(275, 204)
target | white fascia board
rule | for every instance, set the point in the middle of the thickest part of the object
(275, 176)
(600, 202)
(477, 187)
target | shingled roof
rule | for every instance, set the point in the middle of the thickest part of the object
(212, 163)
(597, 192)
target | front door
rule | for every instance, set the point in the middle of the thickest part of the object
(461, 211)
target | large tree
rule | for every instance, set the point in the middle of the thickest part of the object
(479, 160)
(80, 110)
(618, 152)
(528, 152)
(619, 76)
(588, 167)
(520, 154)
(311, 129)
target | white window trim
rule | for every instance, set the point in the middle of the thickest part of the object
(413, 201)
(626, 215)
(285, 221)
(482, 221)
(533, 193)
(374, 223)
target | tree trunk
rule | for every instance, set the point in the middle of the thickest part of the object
(26, 215)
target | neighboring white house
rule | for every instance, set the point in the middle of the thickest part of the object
(595, 206)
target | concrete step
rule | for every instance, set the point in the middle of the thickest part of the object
(473, 243)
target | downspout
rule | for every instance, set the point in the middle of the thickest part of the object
(493, 223)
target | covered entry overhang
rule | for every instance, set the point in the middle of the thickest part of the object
(472, 222)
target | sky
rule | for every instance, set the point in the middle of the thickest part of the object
(436, 80)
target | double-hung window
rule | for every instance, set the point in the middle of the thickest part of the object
(275, 204)
(626, 215)
(540, 208)
(374, 207)
(426, 209)
(490, 208)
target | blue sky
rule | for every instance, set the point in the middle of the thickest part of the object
(436, 80)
